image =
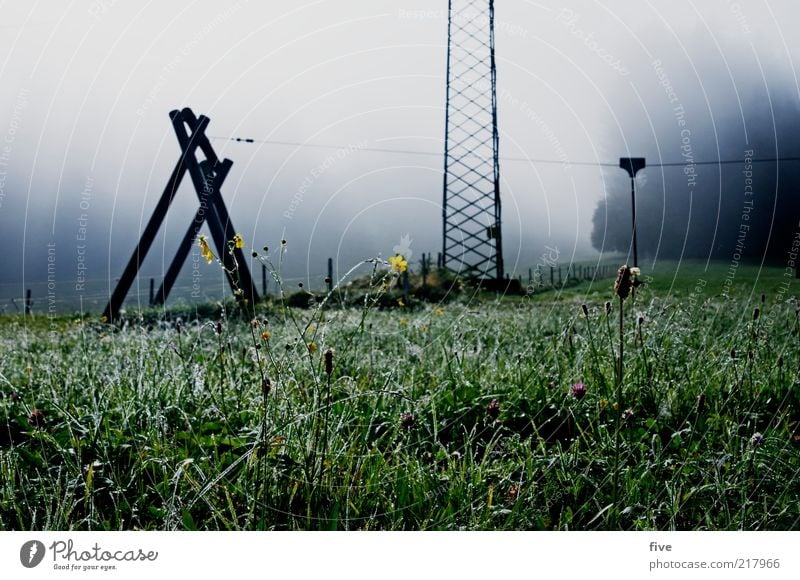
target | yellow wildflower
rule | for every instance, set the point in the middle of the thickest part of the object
(398, 263)
(312, 347)
(205, 251)
(238, 241)
(438, 311)
(400, 302)
(266, 335)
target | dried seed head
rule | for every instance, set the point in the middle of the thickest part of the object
(36, 419)
(624, 282)
(513, 492)
(608, 308)
(763, 298)
(329, 361)
(733, 353)
(756, 313)
(585, 310)
(266, 387)
(780, 362)
(218, 327)
(493, 409)
(701, 403)
(407, 421)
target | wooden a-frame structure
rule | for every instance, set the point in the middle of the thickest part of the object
(207, 177)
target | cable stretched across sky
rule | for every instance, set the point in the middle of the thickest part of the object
(535, 161)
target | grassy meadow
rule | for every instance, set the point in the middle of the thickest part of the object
(474, 412)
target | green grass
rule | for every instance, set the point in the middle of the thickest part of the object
(160, 426)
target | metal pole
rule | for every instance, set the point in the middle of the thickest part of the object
(500, 268)
(633, 217)
(443, 255)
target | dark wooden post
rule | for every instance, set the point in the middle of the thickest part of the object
(28, 302)
(330, 275)
(152, 290)
(264, 279)
(207, 177)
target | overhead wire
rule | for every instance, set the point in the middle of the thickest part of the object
(392, 151)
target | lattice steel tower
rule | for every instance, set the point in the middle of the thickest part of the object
(472, 236)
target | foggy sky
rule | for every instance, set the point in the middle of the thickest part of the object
(87, 144)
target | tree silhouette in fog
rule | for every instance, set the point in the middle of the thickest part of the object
(718, 215)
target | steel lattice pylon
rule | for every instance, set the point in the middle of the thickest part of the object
(472, 237)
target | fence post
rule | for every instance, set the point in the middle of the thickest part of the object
(264, 279)
(559, 276)
(424, 271)
(152, 290)
(28, 302)
(329, 279)
(552, 282)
